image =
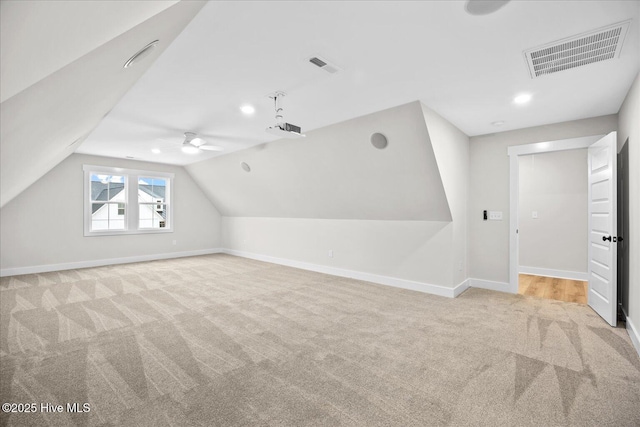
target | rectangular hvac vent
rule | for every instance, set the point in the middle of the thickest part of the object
(594, 46)
(323, 64)
(317, 61)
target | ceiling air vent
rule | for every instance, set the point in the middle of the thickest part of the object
(323, 64)
(583, 49)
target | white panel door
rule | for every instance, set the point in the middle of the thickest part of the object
(602, 228)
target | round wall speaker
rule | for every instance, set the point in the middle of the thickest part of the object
(379, 141)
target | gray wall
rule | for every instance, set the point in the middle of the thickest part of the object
(44, 224)
(489, 189)
(555, 186)
(629, 127)
(432, 252)
(334, 173)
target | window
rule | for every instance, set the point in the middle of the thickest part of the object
(111, 192)
(151, 196)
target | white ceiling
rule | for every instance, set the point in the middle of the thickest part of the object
(467, 68)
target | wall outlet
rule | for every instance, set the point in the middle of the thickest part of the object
(460, 266)
(534, 214)
(495, 215)
(330, 253)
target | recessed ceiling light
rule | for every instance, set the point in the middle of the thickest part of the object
(245, 166)
(523, 98)
(248, 109)
(156, 151)
(498, 123)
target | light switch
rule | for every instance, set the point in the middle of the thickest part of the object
(495, 215)
(534, 214)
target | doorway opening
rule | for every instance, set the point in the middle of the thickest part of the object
(555, 288)
(623, 226)
(553, 228)
(602, 240)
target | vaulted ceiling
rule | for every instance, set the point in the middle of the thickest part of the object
(466, 67)
(62, 71)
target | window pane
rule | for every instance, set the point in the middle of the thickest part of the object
(152, 215)
(107, 187)
(151, 189)
(104, 216)
(152, 193)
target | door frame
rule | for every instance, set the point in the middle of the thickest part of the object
(514, 152)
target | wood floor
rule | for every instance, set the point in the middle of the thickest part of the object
(553, 288)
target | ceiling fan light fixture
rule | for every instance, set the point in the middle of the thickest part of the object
(197, 141)
(190, 149)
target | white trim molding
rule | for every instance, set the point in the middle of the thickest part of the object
(101, 262)
(428, 288)
(634, 335)
(513, 152)
(550, 272)
(490, 285)
(463, 286)
(130, 217)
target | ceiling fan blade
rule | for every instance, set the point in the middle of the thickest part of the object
(210, 148)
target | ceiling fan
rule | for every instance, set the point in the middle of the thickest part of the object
(193, 144)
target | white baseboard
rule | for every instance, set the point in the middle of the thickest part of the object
(490, 284)
(634, 335)
(549, 272)
(100, 262)
(359, 275)
(463, 286)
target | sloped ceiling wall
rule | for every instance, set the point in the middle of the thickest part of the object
(334, 173)
(38, 38)
(47, 111)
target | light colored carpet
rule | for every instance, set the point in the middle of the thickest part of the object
(221, 340)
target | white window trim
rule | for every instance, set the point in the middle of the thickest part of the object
(131, 206)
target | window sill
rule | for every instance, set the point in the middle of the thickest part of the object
(126, 232)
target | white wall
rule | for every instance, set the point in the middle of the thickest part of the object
(489, 189)
(451, 148)
(429, 252)
(629, 127)
(554, 185)
(43, 225)
(411, 250)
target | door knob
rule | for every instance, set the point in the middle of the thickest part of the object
(605, 238)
